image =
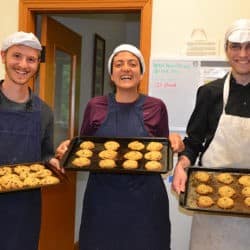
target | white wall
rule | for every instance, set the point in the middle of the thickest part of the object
(9, 22)
(173, 21)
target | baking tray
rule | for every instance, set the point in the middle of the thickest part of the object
(55, 173)
(188, 198)
(166, 161)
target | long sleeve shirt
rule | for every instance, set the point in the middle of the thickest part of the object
(155, 117)
(206, 114)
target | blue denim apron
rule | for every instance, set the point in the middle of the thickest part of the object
(125, 211)
(20, 212)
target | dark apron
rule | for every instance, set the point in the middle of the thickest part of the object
(125, 211)
(20, 212)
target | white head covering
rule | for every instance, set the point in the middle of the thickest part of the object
(130, 48)
(238, 32)
(21, 38)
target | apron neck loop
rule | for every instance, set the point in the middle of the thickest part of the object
(226, 90)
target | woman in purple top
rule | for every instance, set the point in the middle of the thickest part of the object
(125, 211)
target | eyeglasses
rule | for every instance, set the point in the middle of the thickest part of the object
(237, 47)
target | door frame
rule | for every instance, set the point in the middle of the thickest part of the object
(29, 8)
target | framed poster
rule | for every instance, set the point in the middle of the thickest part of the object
(98, 65)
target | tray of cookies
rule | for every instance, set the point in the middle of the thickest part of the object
(25, 176)
(220, 190)
(119, 154)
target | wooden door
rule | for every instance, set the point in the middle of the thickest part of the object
(29, 8)
(59, 87)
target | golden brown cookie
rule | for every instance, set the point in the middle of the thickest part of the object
(202, 176)
(84, 153)
(21, 168)
(81, 162)
(10, 181)
(111, 145)
(225, 178)
(136, 145)
(31, 182)
(153, 155)
(205, 201)
(133, 155)
(87, 145)
(36, 167)
(43, 173)
(154, 146)
(246, 191)
(225, 202)
(204, 189)
(153, 165)
(130, 164)
(108, 154)
(25, 174)
(245, 180)
(107, 163)
(226, 191)
(5, 170)
(49, 180)
(247, 201)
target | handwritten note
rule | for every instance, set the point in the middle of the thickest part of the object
(176, 83)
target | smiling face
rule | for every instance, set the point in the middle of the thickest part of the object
(126, 71)
(238, 55)
(21, 64)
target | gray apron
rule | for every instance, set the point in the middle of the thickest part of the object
(224, 232)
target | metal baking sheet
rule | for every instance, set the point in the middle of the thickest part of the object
(188, 199)
(55, 173)
(166, 161)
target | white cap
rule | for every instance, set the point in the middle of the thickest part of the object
(238, 32)
(130, 48)
(21, 38)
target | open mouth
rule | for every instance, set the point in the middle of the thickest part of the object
(126, 78)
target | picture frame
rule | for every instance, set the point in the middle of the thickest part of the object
(98, 65)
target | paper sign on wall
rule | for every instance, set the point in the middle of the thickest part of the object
(176, 83)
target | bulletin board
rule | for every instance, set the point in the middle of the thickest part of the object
(176, 83)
